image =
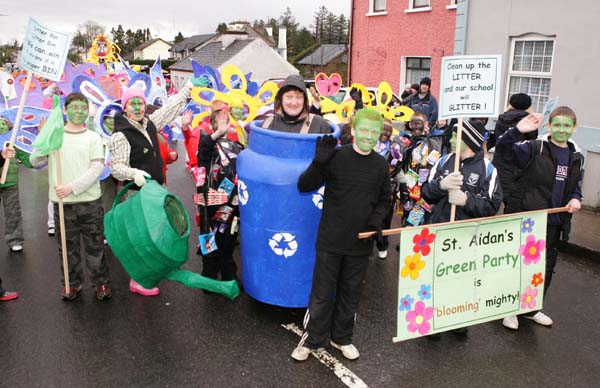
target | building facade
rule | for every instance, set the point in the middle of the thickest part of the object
(400, 41)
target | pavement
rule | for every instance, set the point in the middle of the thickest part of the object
(185, 338)
(585, 235)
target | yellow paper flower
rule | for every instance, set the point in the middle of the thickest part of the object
(412, 265)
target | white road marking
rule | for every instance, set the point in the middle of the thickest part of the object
(346, 375)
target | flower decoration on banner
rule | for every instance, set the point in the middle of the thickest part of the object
(412, 265)
(537, 279)
(422, 241)
(531, 250)
(425, 292)
(418, 319)
(406, 303)
(527, 226)
(528, 298)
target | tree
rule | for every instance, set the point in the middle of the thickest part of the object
(86, 33)
(319, 16)
(178, 38)
(222, 28)
(118, 36)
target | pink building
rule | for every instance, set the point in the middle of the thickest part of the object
(400, 41)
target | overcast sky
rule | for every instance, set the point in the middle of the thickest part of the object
(164, 18)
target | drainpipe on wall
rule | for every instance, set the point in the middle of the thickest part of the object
(460, 29)
(350, 26)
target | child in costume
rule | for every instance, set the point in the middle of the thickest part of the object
(217, 196)
(551, 175)
(356, 199)
(9, 195)
(82, 155)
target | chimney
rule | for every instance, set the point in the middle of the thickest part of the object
(282, 46)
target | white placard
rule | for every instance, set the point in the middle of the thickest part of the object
(45, 51)
(470, 86)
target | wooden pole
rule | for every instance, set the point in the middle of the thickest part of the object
(391, 232)
(13, 136)
(457, 160)
(61, 217)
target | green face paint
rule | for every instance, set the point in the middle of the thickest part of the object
(366, 134)
(135, 109)
(561, 129)
(4, 126)
(463, 146)
(237, 112)
(77, 112)
(109, 124)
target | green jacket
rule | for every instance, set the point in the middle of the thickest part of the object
(12, 178)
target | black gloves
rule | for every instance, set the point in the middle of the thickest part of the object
(356, 95)
(325, 150)
(375, 224)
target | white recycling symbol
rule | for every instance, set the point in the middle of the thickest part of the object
(283, 244)
(243, 194)
(317, 198)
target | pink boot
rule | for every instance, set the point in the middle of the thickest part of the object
(137, 288)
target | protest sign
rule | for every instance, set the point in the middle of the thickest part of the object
(459, 274)
(44, 51)
(470, 86)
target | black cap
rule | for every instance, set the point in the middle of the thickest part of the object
(426, 81)
(520, 101)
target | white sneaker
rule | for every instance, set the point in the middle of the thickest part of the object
(301, 353)
(51, 231)
(511, 322)
(382, 254)
(541, 319)
(349, 351)
(16, 248)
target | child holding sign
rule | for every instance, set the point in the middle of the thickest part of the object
(552, 175)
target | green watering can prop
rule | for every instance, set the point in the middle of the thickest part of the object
(149, 234)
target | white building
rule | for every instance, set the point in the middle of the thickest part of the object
(152, 49)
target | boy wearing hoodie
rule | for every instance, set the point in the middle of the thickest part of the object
(551, 176)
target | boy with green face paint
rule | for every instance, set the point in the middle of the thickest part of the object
(9, 195)
(356, 199)
(82, 162)
(551, 176)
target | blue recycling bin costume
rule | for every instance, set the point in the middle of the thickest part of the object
(278, 224)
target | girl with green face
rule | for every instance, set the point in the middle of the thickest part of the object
(4, 125)
(135, 108)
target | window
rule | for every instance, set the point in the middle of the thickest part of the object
(531, 70)
(417, 68)
(377, 7)
(418, 6)
(452, 5)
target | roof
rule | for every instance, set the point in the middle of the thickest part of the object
(323, 54)
(191, 42)
(149, 43)
(212, 55)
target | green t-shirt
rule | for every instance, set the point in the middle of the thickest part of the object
(77, 152)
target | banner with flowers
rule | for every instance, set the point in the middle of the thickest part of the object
(468, 272)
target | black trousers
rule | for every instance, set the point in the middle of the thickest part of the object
(552, 238)
(334, 297)
(221, 261)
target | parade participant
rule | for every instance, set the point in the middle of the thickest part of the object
(83, 162)
(9, 195)
(384, 148)
(356, 199)
(551, 176)
(406, 92)
(519, 107)
(134, 144)
(292, 110)
(217, 157)
(424, 101)
(477, 196)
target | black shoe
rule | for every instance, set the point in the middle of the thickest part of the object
(72, 294)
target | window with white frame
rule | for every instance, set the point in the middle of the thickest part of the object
(531, 70)
(417, 68)
(377, 6)
(418, 6)
(452, 5)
